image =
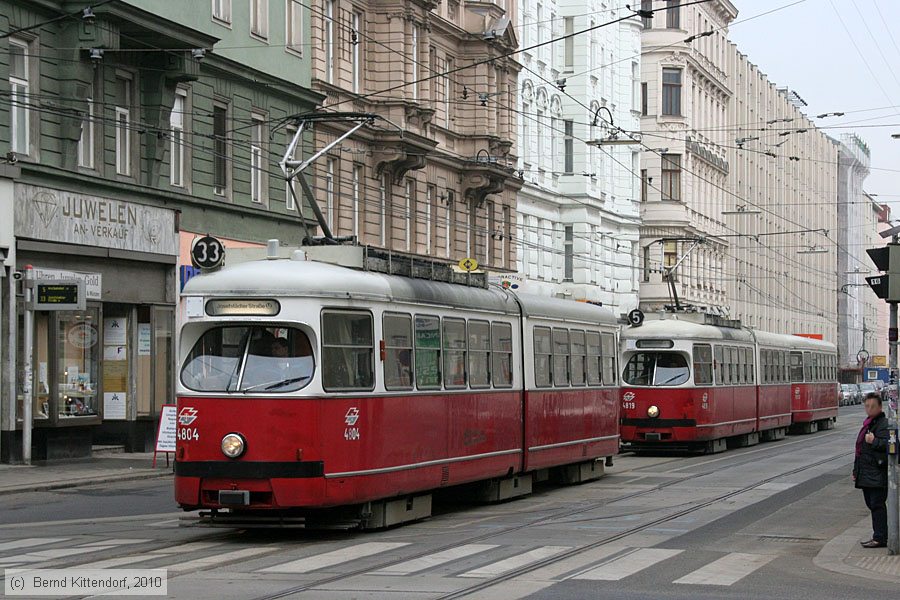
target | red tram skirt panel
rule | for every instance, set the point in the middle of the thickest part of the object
(813, 402)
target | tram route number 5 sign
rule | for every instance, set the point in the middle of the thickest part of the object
(207, 253)
(165, 435)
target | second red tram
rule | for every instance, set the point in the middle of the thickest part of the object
(696, 386)
(307, 386)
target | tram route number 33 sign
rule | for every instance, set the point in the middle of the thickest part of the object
(207, 253)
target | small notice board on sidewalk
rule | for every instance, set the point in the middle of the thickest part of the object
(166, 432)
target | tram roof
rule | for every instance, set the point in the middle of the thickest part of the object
(299, 278)
(679, 329)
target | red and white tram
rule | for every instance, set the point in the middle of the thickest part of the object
(690, 385)
(305, 385)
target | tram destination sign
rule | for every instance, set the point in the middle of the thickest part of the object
(58, 294)
(243, 307)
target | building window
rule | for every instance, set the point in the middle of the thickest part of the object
(671, 177)
(221, 10)
(220, 149)
(671, 92)
(383, 209)
(644, 185)
(290, 188)
(407, 213)
(644, 100)
(259, 18)
(569, 148)
(357, 183)
(356, 25)
(257, 138)
(176, 148)
(449, 65)
(19, 64)
(123, 126)
(569, 59)
(569, 267)
(670, 254)
(86, 141)
(636, 87)
(414, 57)
(647, 6)
(489, 234)
(329, 40)
(646, 277)
(448, 224)
(329, 193)
(430, 194)
(504, 237)
(294, 20)
(673, 14)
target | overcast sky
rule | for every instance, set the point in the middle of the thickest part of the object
(806, 47)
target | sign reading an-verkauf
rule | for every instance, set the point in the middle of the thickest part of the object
(71, 218)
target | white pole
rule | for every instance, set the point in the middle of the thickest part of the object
(27, 384)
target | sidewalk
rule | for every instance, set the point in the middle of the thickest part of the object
(843, 554)
(102, 468)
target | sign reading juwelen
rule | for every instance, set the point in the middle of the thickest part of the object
(69, 218)
(51, 294)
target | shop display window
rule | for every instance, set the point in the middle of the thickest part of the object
(78, 347)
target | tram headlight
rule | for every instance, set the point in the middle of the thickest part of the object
(653, 412)
(233, 445)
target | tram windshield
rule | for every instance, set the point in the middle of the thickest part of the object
(249, 359)
(657, 369)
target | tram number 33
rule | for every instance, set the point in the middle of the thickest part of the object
(187, 434)
(351, 434)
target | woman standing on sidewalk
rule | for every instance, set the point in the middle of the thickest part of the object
(870, 468)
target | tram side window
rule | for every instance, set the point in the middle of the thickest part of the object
(428, 353)
(780, 367)
(454, 353)
(766, 356)
(348, 351)
(609, 356)
(542, 354)
(398, 344)
(501, 343)
(479, 354)
(703, 368)
(578, 354)
(796, 367)
(726, 366)
(593, 358)
(751, 365)
(560, 357)
(719, 365)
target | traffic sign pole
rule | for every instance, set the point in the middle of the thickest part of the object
(28, 366)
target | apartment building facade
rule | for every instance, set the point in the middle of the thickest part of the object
(686, 91)
(434, 174)
(578, 211)
(129, 130)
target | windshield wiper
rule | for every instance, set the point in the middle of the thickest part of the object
(671, 379)
(271, 385)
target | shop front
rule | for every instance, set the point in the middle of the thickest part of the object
(100, 375)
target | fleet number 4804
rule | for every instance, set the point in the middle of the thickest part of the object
(186, 434)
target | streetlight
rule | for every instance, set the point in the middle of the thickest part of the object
(613, 139)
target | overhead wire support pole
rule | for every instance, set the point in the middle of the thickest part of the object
(893, 500)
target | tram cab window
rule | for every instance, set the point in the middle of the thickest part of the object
(703, 368)
(657, 368)
(593, 358)
(479, 354)
(609, 358)
(501, 343)
(454, 353)
(398, 342)
(249, 359)
(348, 351)
(428, 353)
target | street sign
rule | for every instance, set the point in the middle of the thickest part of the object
(468, 264)
(207, 253)
(58, 294)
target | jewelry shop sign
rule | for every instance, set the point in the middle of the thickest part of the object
(67, 217)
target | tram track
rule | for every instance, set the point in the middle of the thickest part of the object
(560, 515)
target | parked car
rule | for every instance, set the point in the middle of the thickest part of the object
(849, 394)
(866, 388)
(879, 386)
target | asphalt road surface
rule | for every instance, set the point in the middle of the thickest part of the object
(743, 524)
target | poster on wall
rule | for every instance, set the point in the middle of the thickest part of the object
(115, 331)
(114, 353)
(143, 339)
(114, 406)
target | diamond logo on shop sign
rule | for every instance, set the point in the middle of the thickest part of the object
(351, 417)
(187, 415)
(45, 205)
